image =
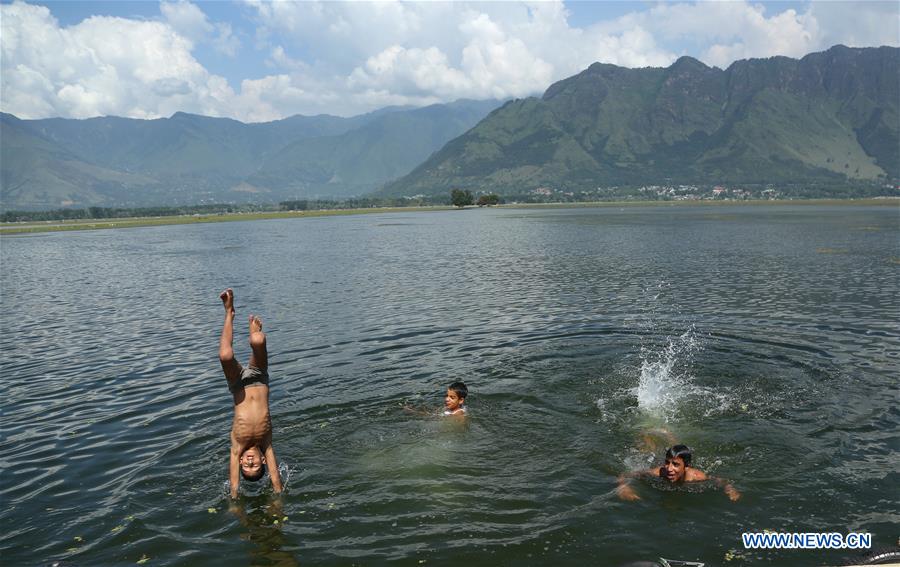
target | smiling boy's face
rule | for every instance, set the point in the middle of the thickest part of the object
(252, 461)
(452, 401)
(674, 470)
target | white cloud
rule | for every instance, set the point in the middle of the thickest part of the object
(102, 66)
(371, 52)
(224, 40)
(722, 32)
(278, 57)
(347, 33)
(352, 57)
(492, 64)
(412, 71)
(189, 21)
(186, 19)
(736, 30)
(410, 53)
(856, 24)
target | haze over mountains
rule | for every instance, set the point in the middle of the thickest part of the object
(190, 159)
(830, 117)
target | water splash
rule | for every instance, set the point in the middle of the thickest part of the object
(285, 471)
(265, 483)
(665, 375)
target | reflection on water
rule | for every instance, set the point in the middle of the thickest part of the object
(766, 338)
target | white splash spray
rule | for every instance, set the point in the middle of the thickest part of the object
(665, 375)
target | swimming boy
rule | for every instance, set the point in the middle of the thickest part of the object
(455, 400)
(676, 470)
(251, 430)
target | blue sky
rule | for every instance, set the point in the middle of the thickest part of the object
(256, 61)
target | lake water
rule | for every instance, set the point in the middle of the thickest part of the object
(765, 337)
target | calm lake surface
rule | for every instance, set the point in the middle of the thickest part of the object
(765, 337)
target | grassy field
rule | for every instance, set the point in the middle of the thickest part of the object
(131, 222)
(97, 224)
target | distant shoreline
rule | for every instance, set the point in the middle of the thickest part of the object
(134, 222)
(876, 201)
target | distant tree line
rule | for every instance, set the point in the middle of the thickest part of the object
(358, 203)
(838, 191)
(124, 212)
(213, 209)
(488, 200)
(457, 197)
(461, 198)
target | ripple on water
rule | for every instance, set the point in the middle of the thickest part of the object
(577, 335)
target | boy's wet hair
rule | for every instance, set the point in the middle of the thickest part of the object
(262, 472)
(682, 451)
(460, 388)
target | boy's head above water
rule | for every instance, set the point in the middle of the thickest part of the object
(678, 459)
(253, 464)
(456, 396)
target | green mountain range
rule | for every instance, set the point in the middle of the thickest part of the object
(830, 117)
(190, 159)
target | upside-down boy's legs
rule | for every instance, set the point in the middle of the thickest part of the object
(259, 358)
(230, 366)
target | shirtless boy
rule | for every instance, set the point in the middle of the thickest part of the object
(676, 470)
(251, 430)
(455, 400)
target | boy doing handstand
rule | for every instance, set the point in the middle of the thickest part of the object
(251, 430)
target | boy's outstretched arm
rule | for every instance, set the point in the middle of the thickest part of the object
(625, 491)
(272, 465)
(417, 411)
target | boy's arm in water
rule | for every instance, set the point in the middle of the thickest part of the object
(625, 491)
(727, 488)
(418, 411)
(696, 475)
(234, 466)
(272, 465)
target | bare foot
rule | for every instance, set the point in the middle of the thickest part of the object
(627, 493)
(732, 493)
(255, 324)
(227, 298)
